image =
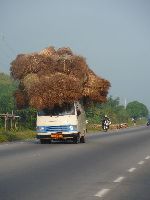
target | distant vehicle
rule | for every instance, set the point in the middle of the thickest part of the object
(62, 123)
(105, 125)
(148, 122)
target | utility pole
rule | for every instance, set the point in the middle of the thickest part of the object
(125, 103)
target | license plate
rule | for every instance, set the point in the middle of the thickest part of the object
(56, 135)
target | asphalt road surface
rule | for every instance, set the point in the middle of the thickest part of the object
(109, 166)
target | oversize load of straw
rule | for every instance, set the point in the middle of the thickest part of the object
(54, 77)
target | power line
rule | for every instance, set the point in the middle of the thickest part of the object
(3, 39)
(6, 51)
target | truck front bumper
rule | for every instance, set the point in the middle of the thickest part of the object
(57, 136)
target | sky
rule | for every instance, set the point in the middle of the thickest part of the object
(113, 36)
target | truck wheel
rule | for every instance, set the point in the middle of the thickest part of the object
(42, 141)
(82, 139)
(76, 139)
(49, 141)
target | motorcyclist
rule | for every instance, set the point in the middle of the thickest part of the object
(134, 121)
(148, 122)
(105, 123)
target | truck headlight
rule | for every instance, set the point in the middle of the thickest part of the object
(73, 128)
(40, 128)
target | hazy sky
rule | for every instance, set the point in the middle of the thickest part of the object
(113, 36)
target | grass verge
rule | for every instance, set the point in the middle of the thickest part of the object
(9, 136)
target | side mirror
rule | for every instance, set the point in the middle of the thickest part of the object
(78, 112)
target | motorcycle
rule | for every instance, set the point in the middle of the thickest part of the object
(148, 123)
(105, 125)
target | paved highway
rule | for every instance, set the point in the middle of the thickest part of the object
(109, 166)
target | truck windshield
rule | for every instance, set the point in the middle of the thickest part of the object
(67, 109)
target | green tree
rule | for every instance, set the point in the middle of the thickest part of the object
(136, 109)
(7, 103)
(27, 118)
(7, 88)
(112, 108)
(116, 112)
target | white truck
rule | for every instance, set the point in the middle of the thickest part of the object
(62, 123)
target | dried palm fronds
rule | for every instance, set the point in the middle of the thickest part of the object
(64, 50)
(21, 99)
(47, 51)
(96, 88)
(53, 77)
(29, 80)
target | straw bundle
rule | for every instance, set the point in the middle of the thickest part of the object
(64, 50)
(47, 51)
(53, 77)
(29, 80)
(26, 64)
(21, 99)
(55, 89)
(96, 88)
(36, 102)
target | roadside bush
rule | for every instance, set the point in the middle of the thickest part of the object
(3, 137)
(9, 136)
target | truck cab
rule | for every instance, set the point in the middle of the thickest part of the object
(61, 123)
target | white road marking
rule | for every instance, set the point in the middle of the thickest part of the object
(131, 169)
(101, 193)
(141, 162)
(147, 157)
(119, 179)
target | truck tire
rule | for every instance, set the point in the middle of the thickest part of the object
(82, 139)
(42, 141)
(49, 141)
(45, 141)
(76, 139)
